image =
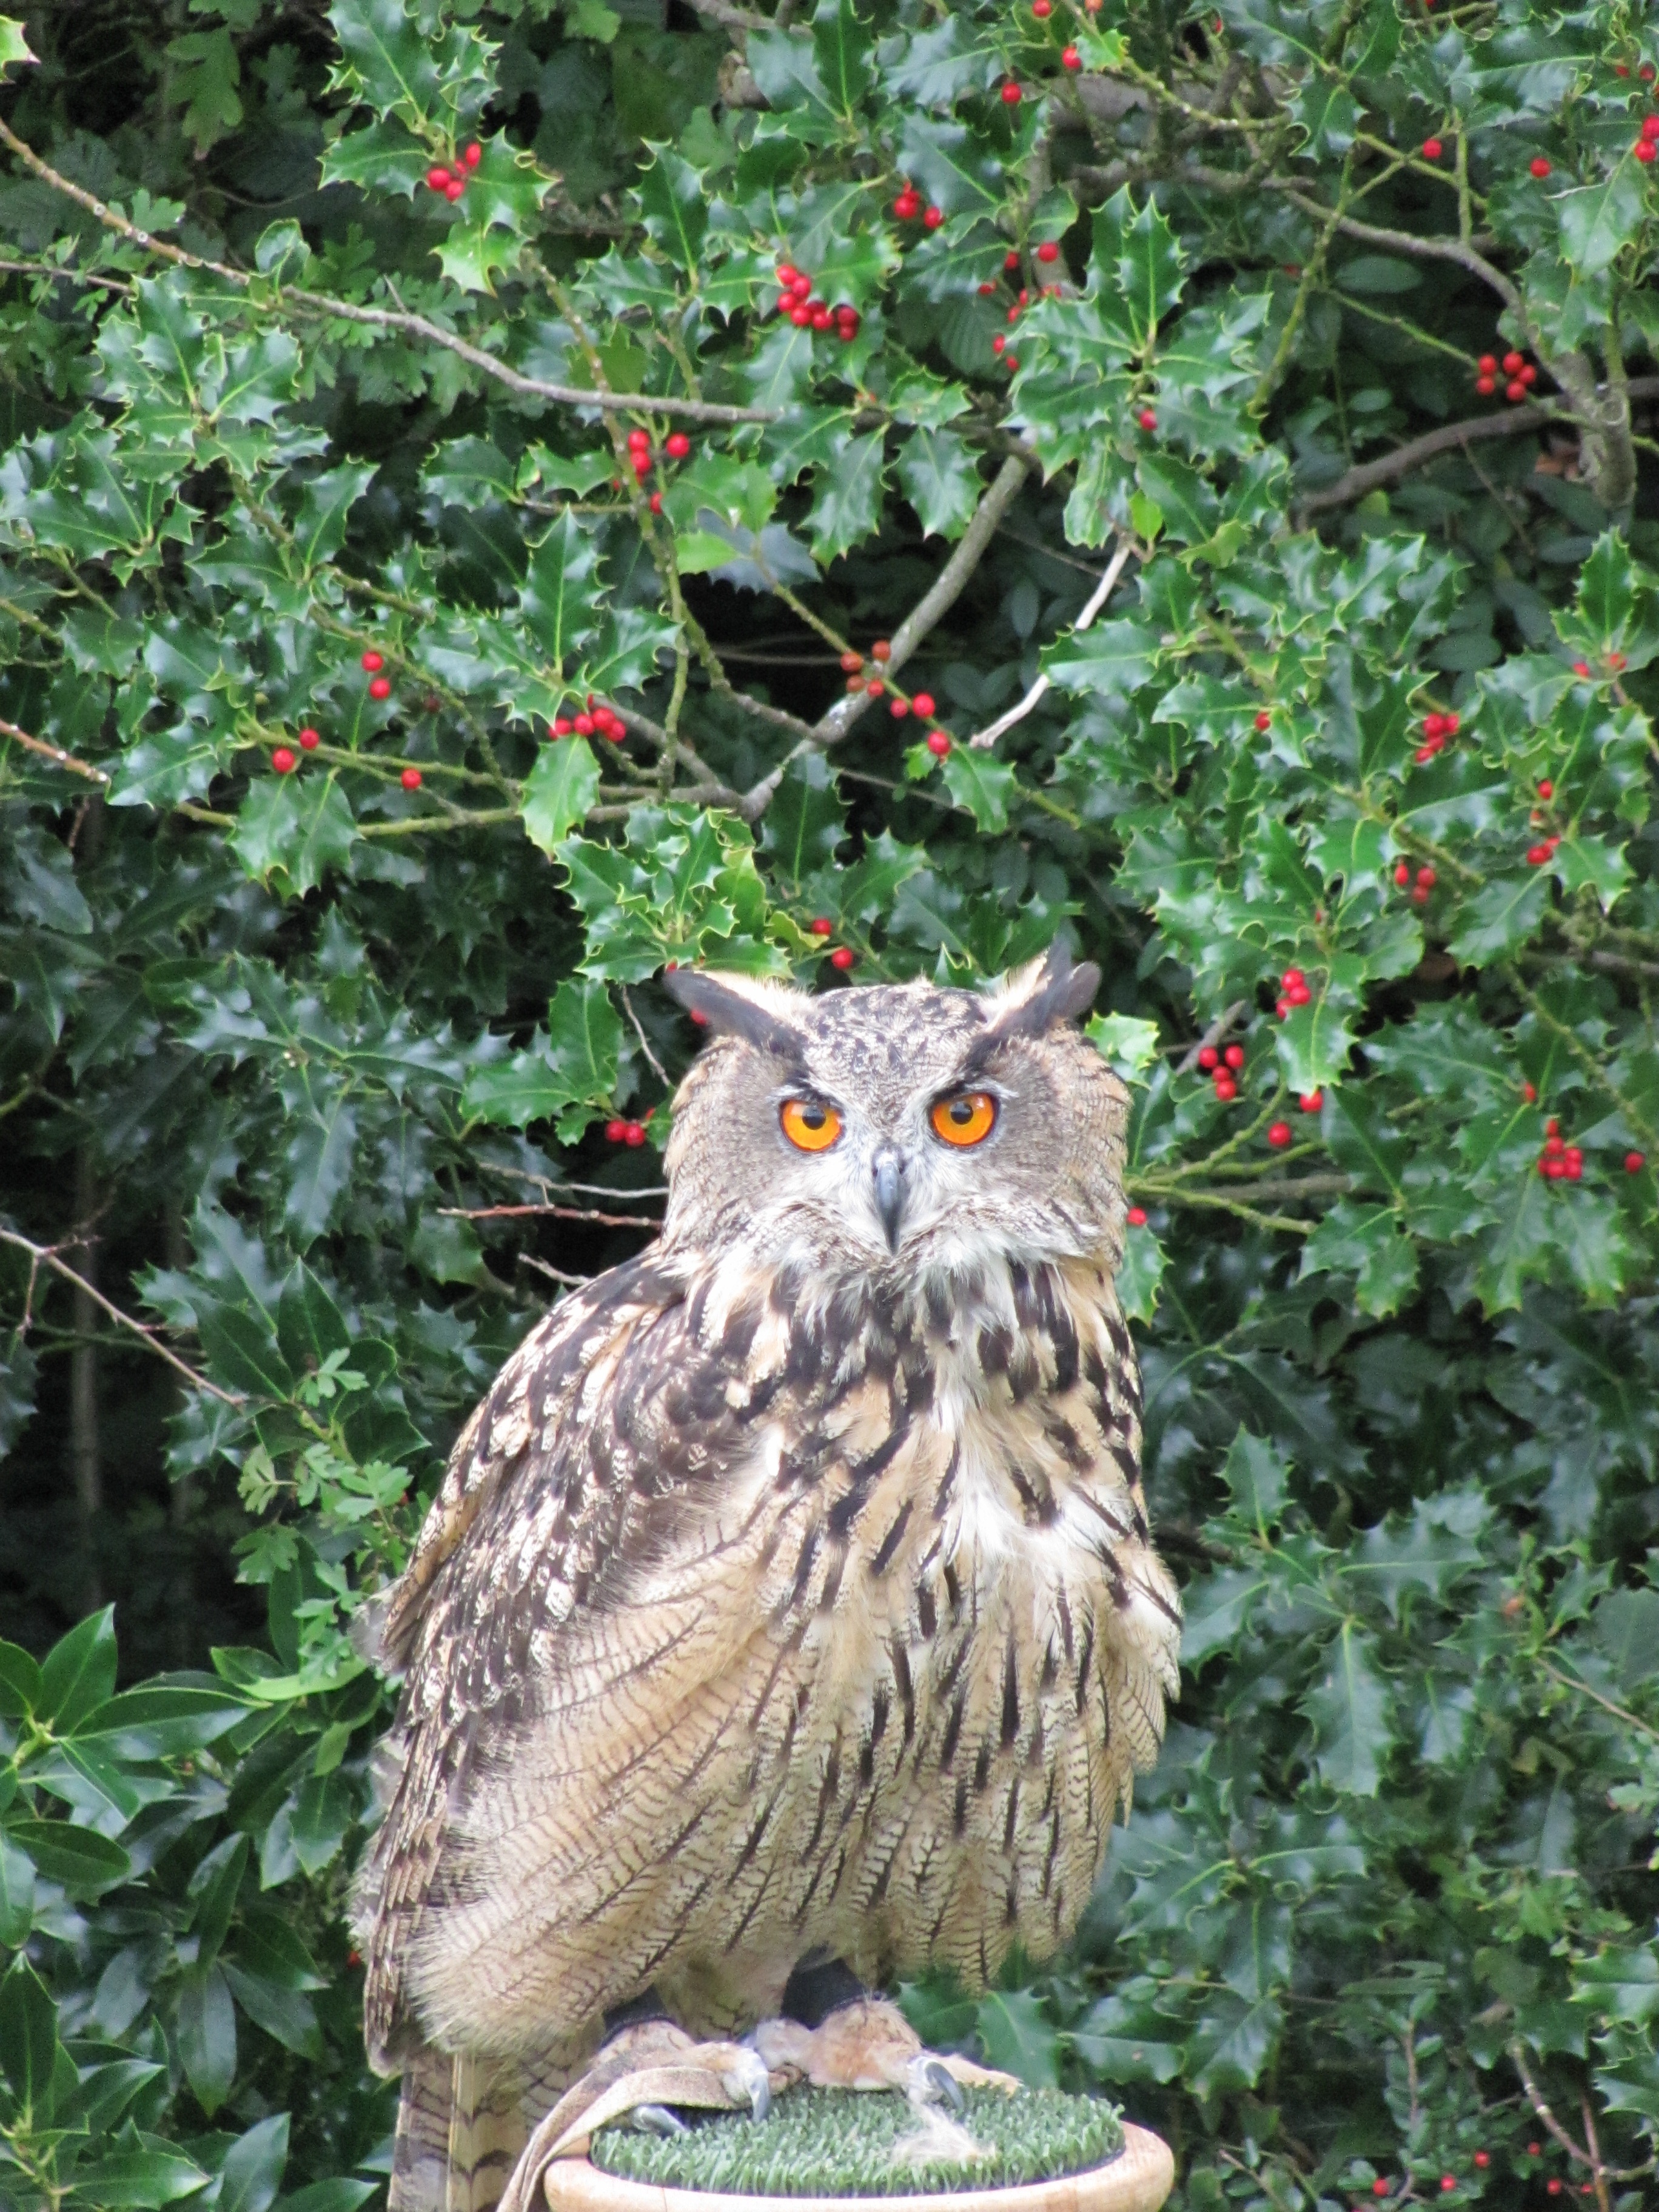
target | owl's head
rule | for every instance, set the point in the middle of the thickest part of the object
(897, 1125)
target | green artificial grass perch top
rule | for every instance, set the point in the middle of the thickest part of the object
(837, 2143)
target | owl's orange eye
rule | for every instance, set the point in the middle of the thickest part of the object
(811, 1126)
(967, 1118)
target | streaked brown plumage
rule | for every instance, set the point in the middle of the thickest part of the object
(789, 1591)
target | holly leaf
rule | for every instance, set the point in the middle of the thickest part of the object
(559, 791)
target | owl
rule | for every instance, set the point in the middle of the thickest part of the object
(787, 1620)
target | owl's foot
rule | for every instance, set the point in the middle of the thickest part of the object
(870, 2045)
(647, 2071)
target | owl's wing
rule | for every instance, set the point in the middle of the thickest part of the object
(577, 1465)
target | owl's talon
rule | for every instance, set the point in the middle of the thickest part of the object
(932, 2082)
(657, 2120)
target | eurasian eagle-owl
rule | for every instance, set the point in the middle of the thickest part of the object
(790, 1596)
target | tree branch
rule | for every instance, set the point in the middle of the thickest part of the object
(45, 1255)
(55, 754)
(558, 1212)
(1532, 414)
(984, 738)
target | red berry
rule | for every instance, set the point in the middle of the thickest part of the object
(1433, 725)
(1615, 661)
(1515, 392)
(874, 687)
(1486, 386)
(371, 661)
(410, 779)
(821, 319)
(1646, 72)
(1047, 251)
(841, 957)
(899, 709)
(1453, 724)
(1043, 9)
(1136, 1217)
(1529, 1093)
(563, 725)
(1311, 1101)
(1013, 312)
(800, 317)
(380, 688)
(998, 343)
(1234, 1057)
(851, 663)
(284, 761)
(787, 272)
(584, 726)
(1292, 975)
(821, 926)
(1420, 895)
(676, 445)
(310, 739)
(1534, 2150)
(1581, 668)
(1539, 168)
(1209, 1058)
(1447, 2183)
(907, 207)
(1011, 259)
(1379, 2187)
(1621, 69)
(932, 218)
(1483, 2159)
(1432, 149)
(1487, 364)
(616, 1131)
(1426, 753)
(881, 650)
(1147, 419)
(1634, 1163)
(1528, 376)
(455, 188)
(473, 155)
(1645, 151)
(437, 178)
(923, 705)
(1282, 1009)
(801, 284)
(937, 743)
(1546, 788)
(1426, 878)
(1225, 1089)
(985, 291)
(1553, 2186)
(1536, 855)
(1403, 874)
(1514, 363)
(1010, 96)
(1070, 59)
(1264, 721)
(634, 1133)
(1279, 1135)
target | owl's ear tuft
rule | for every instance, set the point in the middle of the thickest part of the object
(1033, 999)
(740, 1006)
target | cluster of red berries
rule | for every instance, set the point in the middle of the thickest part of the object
(908, 206)
(1292, 992)
(1559, 1162)
(676, 445)
(1520, 372)
(1427, 880)
(1223, 1069)
(594, 721)
(921, 704)
(1540, 854)
(841, 957)
(795, 300)
(452, 182)
(1616, 666)
(625, 1133)
(1436, 729)
(1646, 148)
(379, 687)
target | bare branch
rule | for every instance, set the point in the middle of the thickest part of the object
(558, 1212)
(558, 1274)
(45, 1255)
(983, 739)
(55, 754)
(645, 1042)
(531, 388)
(1212, 1036)
(1531, 414)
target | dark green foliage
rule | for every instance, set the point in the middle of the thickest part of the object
(832, 2143)
(285, 1058)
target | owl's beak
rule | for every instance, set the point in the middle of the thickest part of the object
(887, 1175)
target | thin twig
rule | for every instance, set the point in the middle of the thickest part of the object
(55, 754)
(45, 1255)
(645, 1042)
(1532, 414)
(982, 739)
(558, 1212)
(542, 1268)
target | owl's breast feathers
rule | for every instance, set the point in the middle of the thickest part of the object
(761, 1610)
